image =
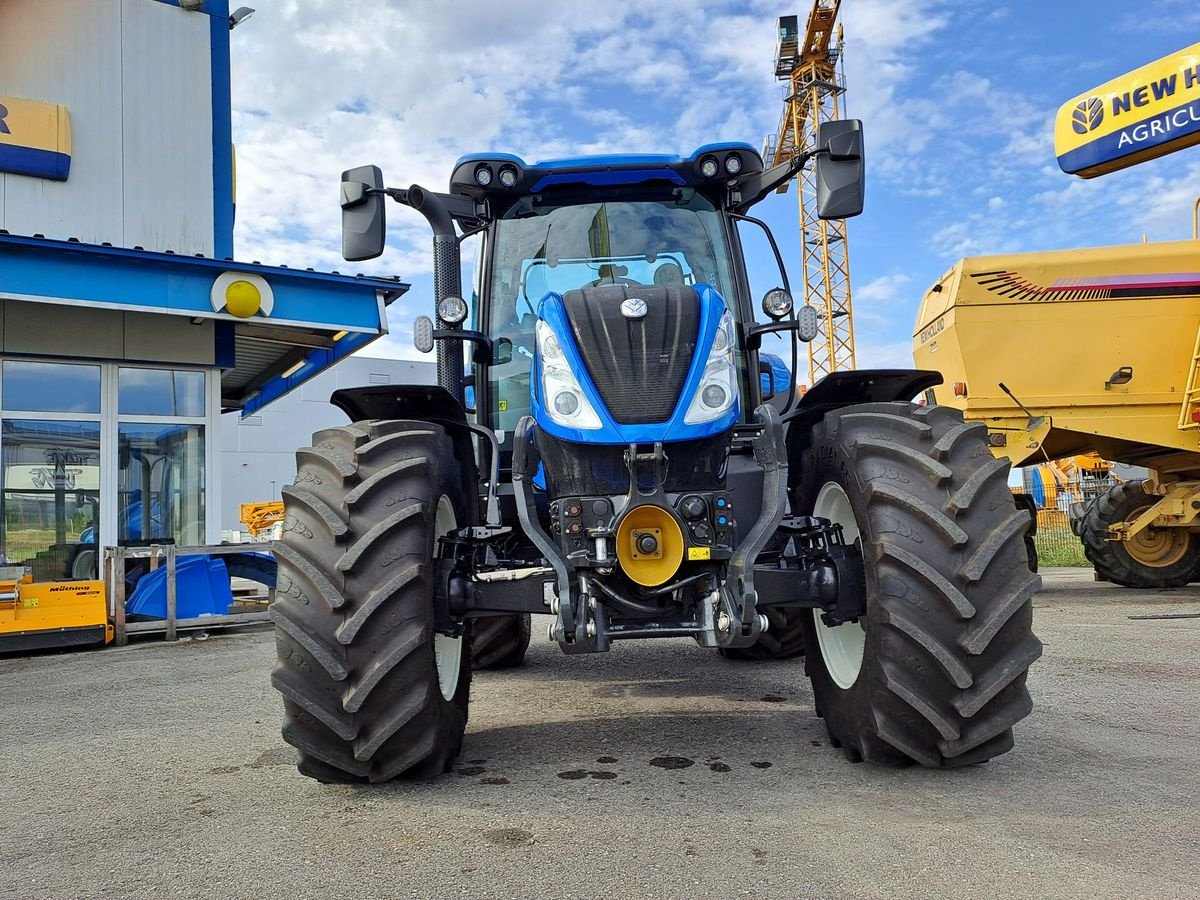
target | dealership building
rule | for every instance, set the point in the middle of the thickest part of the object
(130, 335)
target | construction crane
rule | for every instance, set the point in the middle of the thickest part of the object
(808, 62)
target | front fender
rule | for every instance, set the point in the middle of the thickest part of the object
(850, 388)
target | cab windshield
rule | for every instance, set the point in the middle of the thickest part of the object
(555, 245)
(633, 236)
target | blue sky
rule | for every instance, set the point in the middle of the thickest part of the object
(957, 98)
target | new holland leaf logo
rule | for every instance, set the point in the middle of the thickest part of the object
(1087, 115)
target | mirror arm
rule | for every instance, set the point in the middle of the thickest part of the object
(482, 352)
(754, 334)
(758, 186)
(461, 209)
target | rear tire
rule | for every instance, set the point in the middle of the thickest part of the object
(499, 642)
(370, 691)
(1025, 502)
(935, 673)
(1155, 558)
(783, 639)
(1031, 557)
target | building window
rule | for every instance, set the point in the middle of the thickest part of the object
(50, 496)
(50, 387)
(160, 493)
(95, 455)
(160, 392)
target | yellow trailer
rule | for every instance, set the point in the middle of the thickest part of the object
(1074, 351)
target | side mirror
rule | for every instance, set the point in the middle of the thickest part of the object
(840, 175)
(501, 352)
(363, 220)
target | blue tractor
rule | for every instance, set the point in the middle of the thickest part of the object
(622, 469)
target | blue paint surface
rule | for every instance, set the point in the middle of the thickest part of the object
(169, 283)
(553, 313)
(48, 164)
(222, 128)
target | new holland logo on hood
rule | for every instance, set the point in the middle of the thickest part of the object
(1147, 113)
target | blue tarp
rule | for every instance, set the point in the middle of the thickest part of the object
(201, 588)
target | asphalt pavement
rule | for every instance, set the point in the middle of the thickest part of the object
(658, 770)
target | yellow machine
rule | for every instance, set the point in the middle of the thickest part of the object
(260, 517)
(34, 616)
(1080, 351)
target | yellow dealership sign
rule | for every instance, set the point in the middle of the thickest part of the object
(35, 139)
(1145, 114)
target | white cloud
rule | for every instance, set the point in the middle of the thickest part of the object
(410, 87)
(895, 354)
(882, 289)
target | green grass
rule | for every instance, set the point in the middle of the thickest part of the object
(1059, 547)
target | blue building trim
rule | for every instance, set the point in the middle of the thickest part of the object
(222, 129)
(225, 345)
(316, 362)
(72, 273)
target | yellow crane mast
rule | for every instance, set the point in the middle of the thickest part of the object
(808, 62)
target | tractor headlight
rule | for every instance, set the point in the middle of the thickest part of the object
(562, 396)
(709, 166)
(483, 175)
(452, 310)
(718, 387)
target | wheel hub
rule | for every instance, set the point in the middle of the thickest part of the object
(842, 646)
(1157, 547)
(447, 651)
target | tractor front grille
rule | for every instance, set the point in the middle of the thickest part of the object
(638, 364)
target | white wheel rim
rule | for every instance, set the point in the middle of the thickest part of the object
(447, 651)
(842, 646)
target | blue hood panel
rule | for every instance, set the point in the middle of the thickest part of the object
(552, 311)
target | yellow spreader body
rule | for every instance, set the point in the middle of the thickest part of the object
(1098, 345)
(1067, 352)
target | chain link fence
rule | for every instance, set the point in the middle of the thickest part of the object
(1057, 499)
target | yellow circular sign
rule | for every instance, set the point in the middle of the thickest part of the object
(242, 299)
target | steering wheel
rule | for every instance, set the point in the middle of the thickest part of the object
(615, 279)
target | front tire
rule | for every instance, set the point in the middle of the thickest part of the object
(1155, 558)
(935, 673)
(370, 691)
